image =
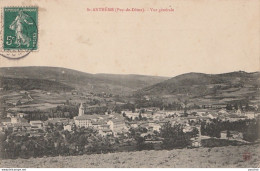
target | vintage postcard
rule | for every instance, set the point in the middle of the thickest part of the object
(130, 84)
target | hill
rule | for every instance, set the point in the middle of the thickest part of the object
(109, 83)
(217, 157)
(9, 83)
(218, 87)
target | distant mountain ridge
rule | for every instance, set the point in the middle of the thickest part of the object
(110, 83)
(206, 87)
(227, 86)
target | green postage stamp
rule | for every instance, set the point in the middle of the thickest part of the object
(20, 28)
(19, 31)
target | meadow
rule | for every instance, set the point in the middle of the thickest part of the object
(245, 156)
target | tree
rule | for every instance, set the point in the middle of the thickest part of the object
(229, 107)
(229, 134)
(118, 109)
(247, 107)
(67, 102)
(174, 137)
(140, 116)
(18, 103)
(236, 106)
(252, 132)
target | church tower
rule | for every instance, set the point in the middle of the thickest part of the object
(81, 110)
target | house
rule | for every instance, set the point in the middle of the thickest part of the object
(187, 128)
(117, 125)
(36, 134)
(236, 135)
(96, 124)
(99, 124)
(9, 115)
(22, 115)
(223, 112)
(147, 98)
(131, 114)
(144, 125)
(67, 127)
(105, 132)
(195, 142)
(199, 113)
(155, 126)
(250, 115)
(23, 126)
(234, 118)
(157, 116)
(37, 124)
(83, 121)
(6, 121)
(146, 115)
(239, 112)
(2, 128)
(58, 121)
(223, 134)
(231, 135)
(222, 118)
(212, 115)
(133, 124)
(146, 134)
(104, 127)
(192, 118)
(18, 120)
(151, 141)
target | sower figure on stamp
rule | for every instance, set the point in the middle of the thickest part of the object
(19, 26)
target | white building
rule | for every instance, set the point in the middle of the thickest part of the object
(239, 112)
(130, 114)
(154, 126)
(18, 120)
(105, 132)
(250, 115)
(67, 127)
(38, 124)
(117, 125)
(82, 120)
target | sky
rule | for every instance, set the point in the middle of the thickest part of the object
(215, 36)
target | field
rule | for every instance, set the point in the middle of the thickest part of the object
(246, 156)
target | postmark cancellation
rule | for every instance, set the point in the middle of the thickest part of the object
(19, 33)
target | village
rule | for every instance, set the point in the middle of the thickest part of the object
(149, 120)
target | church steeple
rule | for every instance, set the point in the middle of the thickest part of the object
(81, 110)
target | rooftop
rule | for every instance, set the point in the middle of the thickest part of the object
(35, 122)
(21, 125)
(5, 120)
(87, 117)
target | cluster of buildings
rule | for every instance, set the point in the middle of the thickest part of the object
(151, 119)
(104, 124)
(155, 119)
(175, 117)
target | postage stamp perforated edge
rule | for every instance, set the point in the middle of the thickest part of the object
(14, 52)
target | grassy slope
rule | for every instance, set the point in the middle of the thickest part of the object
(234, 85)
(9, 83)
(229, 156)
(111, 83)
